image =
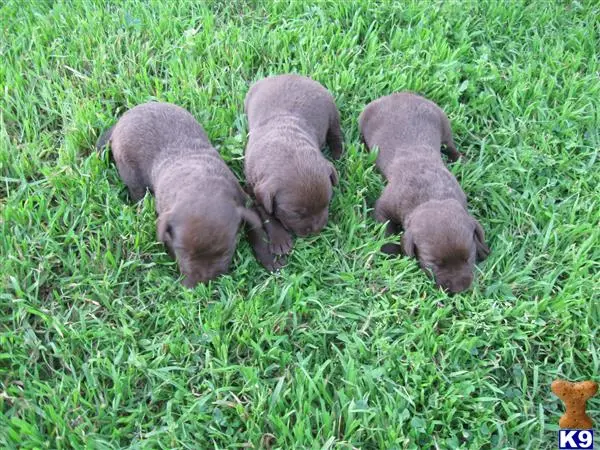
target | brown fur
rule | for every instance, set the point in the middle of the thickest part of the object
(199, 202)
(421, 194)
(291, 117)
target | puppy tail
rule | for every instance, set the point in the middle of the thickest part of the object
(104, 138)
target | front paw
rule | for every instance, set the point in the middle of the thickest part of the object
(276, 263)
(268, 260)
(280, 241)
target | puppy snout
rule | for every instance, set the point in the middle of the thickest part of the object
(200, 276)
(316, 226)
(302, 232)
(458, 284)
(305, 230)
(309, 230)
(190, 282)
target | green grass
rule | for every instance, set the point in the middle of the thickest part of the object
(102, 348)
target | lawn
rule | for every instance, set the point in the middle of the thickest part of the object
(102, 348)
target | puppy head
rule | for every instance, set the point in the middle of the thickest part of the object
(202, 238)
(301, 201)
(447, 241)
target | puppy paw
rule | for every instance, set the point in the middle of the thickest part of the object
(391, 249)
(336, 152)
(278, 263)
(270, 261)
(454, 156)
(451, 153)
(262, 251)
(280, 241)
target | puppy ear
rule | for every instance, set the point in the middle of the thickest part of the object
(483, 250)
(408, 245)
(264, 197)
(250, 217)
(333, 175)
(164, 231)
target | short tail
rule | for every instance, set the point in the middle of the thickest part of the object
(104, 138)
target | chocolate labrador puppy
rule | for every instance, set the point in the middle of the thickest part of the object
(421, 194)
(199, 202)
(291, 117)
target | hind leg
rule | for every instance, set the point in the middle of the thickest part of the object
(135, 186)
(363, 142)
(136, 193)
(451, 152)
(391, 228)
(448, 141)
(391, 248)
(335, 140)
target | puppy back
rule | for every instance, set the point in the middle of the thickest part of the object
(290, 95)
(402, 119)
(158, 125)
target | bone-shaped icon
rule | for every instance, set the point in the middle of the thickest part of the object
(574, 396)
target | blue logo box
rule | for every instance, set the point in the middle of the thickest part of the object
(575, 439)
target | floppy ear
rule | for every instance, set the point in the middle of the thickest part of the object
(164, 231)
(264, 197)
(408, 245)
(333, 175)
(483, 250)
(250, 217)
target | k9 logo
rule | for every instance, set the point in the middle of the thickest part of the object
(574, 439)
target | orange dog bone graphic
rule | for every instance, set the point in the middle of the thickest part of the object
(574, 396)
